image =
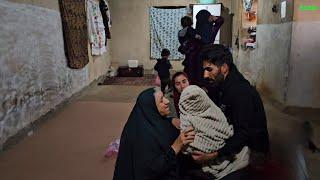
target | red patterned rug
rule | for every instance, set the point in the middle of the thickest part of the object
(146, 80)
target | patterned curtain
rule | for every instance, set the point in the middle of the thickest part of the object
(164, 26)
(75, 31)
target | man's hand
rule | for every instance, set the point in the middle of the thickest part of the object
(200, 157)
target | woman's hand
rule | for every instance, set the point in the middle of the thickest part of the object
(212, 18)
(186, 137)
(176, 122)
(200, 157)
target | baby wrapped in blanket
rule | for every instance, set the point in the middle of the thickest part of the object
(212, 129)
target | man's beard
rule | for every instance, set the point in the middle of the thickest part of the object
(219, 78)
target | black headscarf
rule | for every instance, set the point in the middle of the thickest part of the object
(204, 26)
(145, 147)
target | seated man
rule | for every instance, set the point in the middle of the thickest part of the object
(242, 106)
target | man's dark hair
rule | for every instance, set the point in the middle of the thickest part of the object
(186, 21)
(217, 54)
(165, 52)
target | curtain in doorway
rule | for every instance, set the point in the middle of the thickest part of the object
(75, 31)
(164, 27)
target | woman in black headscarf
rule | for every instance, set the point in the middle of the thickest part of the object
(149, 142)
(207, 26)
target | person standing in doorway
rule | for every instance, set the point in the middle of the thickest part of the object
(207, 26)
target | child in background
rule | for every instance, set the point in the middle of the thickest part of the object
(162, 67)
(189, 46)
(186, 35)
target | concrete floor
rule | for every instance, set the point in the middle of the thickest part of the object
(71, 143)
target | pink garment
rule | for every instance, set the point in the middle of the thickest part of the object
(112, 149)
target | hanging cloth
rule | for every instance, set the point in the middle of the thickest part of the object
(105, 12)
(96, 28)
(247, 5)
(75, 31)
(165, 25)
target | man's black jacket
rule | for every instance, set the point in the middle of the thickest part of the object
(244, 109)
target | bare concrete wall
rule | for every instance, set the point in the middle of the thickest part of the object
(236, 25)
(286, 62)
(304, 73)
(98, 65)
(269, 62)
(267, 65)
(266, 16)
(131, 31)
(50, 4)
(34, 76)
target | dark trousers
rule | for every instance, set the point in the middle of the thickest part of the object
(164, 83)
(241, 174)
(192, 171)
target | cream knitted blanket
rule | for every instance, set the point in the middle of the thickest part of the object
(210, 124)
(211, 127)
